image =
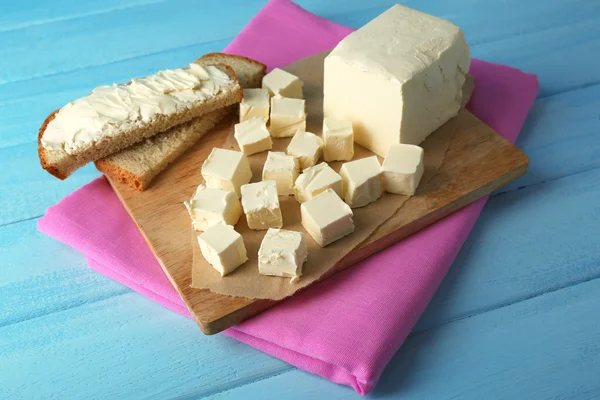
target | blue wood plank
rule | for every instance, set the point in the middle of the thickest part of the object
(122, 347)
(542, 348)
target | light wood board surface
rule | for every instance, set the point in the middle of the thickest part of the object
(476, 161)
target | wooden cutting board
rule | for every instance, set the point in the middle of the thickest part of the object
(477, 161)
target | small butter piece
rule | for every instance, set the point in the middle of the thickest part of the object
(253, 136)
(327, 218)
(282, 169)
(261, 205)
(315, 180)
(281, 83)
(223, 248)
(402, 169)
(255, 103)
(306, 147)
(209, 206)
(338, 138)
(362, 181)
(226, 169)
(287, 116)
(282, 253)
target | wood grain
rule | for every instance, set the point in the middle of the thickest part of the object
(477, 161)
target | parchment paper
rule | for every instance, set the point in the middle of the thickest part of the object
(246, 281)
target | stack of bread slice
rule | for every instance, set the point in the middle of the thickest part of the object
(135, 156)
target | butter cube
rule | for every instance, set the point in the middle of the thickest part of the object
(209, 206)
(281, 83)
(362, 181)
(315, 180)
(287, 116)
(397, 79)
(226, 169)
(326, 218)
(338, 138)
(282, 253)
(223, 248)
(253, 136)
(261, 205)
(255, 103)
(402, 169)
(306, 147)
(282, 169)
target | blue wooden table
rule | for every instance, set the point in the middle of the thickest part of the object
(518, 317)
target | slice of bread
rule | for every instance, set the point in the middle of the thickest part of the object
(139, 164)
(61, 164)
(249, 72)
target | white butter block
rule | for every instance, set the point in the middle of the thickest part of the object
(255, 103)
(338, 138)
(306, 147)
(223, 248)
(282, 253)
(402, 169)
(315, 180)
(282, 169)
(397, 79)
(362, 181)
(287, 116)
(281, 83)
(253, 136)
(261, 205)
(327, 218)
(209, 206)
(226, 169)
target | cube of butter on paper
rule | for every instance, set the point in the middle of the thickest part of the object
(281, 83)
(326, 218)
(261, 205)
(252, 136)
(255, 103)
(282, 253)
(406, 69)
(402, 169)
(338, 139)
(282, 169)
(226, 169)
(362, 181)
(287, 116)
(223, 248)
(306, 147)
(209, 206)
(315, 180)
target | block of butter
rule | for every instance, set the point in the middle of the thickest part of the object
(362, 181)
(282, 169)
(223, 248)
(306, 147)
(338, 138)
(226, 169)
(397, 79)
(261, 205)
(402, 169)
(255, 103)
(281, 83)
(327, 218)
(282, 253)
(287, 116)
(211, 205)
(252, 136)
(315, 180)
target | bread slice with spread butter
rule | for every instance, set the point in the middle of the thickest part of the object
(139, 164)
(112, 118)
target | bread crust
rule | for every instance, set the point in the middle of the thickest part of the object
(121, 174)
(85, 157)
(262, 66)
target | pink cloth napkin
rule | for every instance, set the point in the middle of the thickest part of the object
(347, 327)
